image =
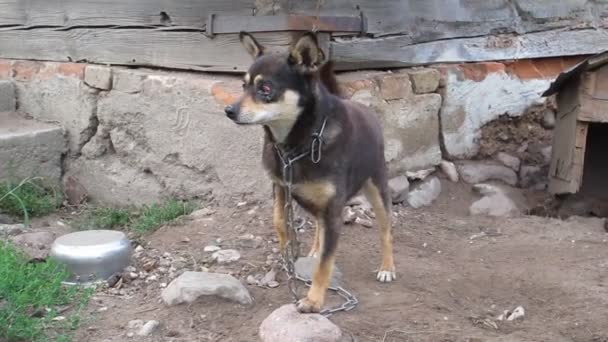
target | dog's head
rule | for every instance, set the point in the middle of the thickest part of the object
(277, 88)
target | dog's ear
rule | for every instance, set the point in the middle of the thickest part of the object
(251, 45)
(307, 53)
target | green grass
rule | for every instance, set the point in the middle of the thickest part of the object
(138, 219)
(27, 198)
(28, 288)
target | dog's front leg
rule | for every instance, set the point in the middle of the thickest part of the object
(329, 231)
(278, 215)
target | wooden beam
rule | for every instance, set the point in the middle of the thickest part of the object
(70, 13)
(140, 47)
(399, 51)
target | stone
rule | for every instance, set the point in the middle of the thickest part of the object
(531, 176)
(477, 93)
(420, 174)
(148, 328)
(508, 160)
(201, 213)
(411, 132)
(304, 267)
(135, 324)
(11, 229)
(226, 256)
(211, 248)
(364, 97)
(287, 324)
(30, 148)
(64, 100)
(495, 202)
(268, 277)
(98, 76)
(8, 100)
(474, 172)
(424, 193)
(449, 169)
(398, 187)
(424, 80)
(348, 215)
(128, 80)
(548, 119)
(547, 153)
(359, 201)
(364, 222)
(395, 86)
(35, 244)
(189, 286)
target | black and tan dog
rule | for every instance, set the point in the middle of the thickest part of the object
(288, 97)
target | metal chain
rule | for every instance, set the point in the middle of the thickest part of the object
(292, 248)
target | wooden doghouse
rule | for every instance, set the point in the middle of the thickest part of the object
(580, 141)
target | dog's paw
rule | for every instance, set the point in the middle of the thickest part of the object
(306, 305)
(386, 276)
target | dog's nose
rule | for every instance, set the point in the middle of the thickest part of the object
(230, 112)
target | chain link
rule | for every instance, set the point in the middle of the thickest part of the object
(291, 252)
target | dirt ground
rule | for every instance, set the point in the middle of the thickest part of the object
(456, 274)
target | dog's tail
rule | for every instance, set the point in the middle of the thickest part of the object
(328, 78)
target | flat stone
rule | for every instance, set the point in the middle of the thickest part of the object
(498, 205)
(286, 324)
(226, 256)
(395, 86)
(30, 148)
(148, 328)
(398, 187)
(8, 100)
(305, 266)
(508, 160)
(128, 81)
(424, 193)
(424, 80)
(449, 169)
(11, 229)
(474, 172)
(98, 76)
(420, 174)
(189, 286)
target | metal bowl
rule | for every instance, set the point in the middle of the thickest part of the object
(92, 256)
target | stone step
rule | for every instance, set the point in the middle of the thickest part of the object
(30, 148)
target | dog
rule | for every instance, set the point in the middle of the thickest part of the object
(338, 145)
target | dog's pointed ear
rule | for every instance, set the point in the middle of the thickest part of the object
(251, 45)
(307, 53)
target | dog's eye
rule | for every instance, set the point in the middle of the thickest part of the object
(244, 85)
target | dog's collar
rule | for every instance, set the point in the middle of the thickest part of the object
(314, 150)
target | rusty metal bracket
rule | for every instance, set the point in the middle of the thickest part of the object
(277, 23)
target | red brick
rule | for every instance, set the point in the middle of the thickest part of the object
(541, 67)
(26, 70)
(72, 69)
(225, 93)
(5, 69)
(479, 71)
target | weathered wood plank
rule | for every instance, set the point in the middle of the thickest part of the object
(117, 12)
(181, 50)
(398, 51)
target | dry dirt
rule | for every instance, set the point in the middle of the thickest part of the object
(450, 286)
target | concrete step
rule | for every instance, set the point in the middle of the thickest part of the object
(30, 148)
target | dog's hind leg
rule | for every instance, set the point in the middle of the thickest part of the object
(278, 215)
(376, 191)
(329, 232)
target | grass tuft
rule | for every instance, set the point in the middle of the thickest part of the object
(28, 198)
(31, 295)
(141, 220)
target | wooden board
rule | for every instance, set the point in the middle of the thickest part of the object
(70, 13)
(399, 51)
(169, 49)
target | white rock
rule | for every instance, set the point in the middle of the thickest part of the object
(486, 189)
(474, 172)
(191, 285)
(367, 223)
(546, 152)
(425, 193)
(226, 256)
(518, 313)
(360, 201)
(420, 174)
(348, 215)
(11, 229)
(287, 324)
(148, 328)
(135, 324)
(211, 248)
(268, 277)
(494, 203)
(548, 121)
(398, 187)
(204, 212)
(449, 169)
(508, 160)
